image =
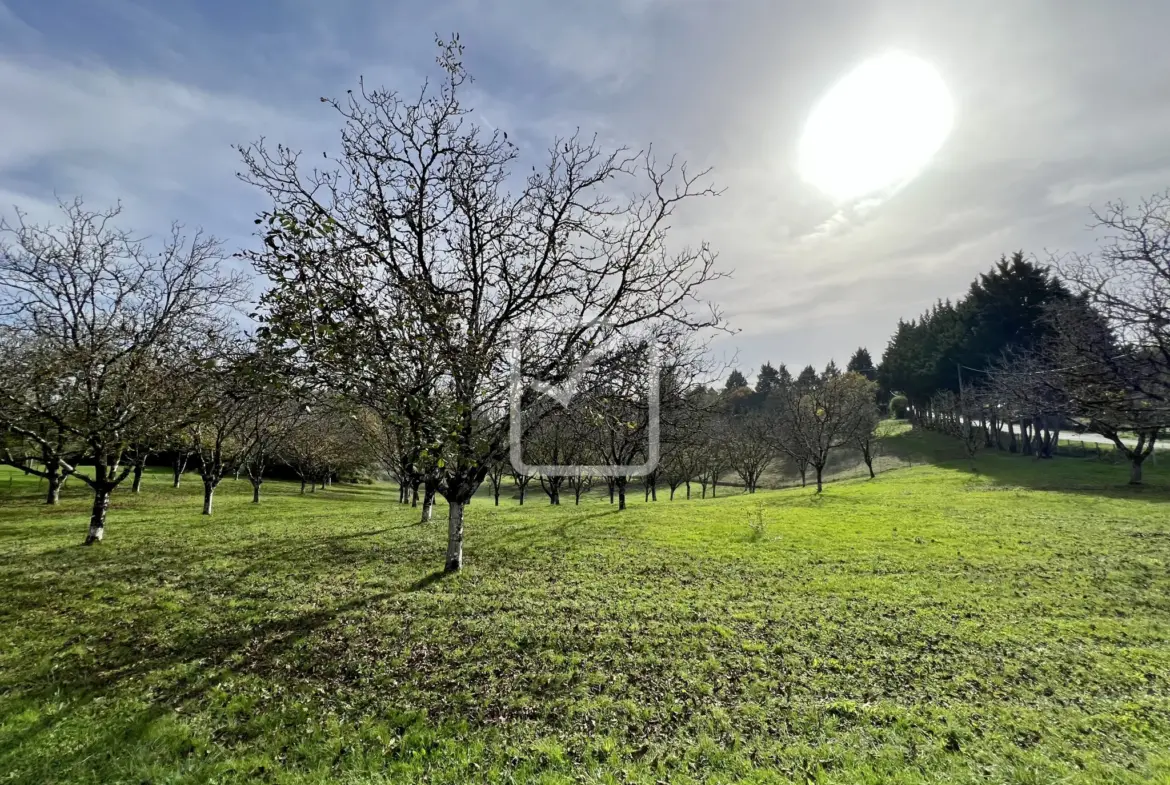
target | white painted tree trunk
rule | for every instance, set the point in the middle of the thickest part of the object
(454, 536)
(97, 518)
(54, 494)
(208, 497)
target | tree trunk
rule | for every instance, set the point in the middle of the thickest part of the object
(820, 471)
(1135, 469)
(208, 496)
(139, 466)
(428, 504)
(672, 488)
(610, 483)
(54, 479)
(302, 486)
(414, 494)
(97, 517)
(179, 466)
(621, 489)
(688, 490)
(256, 491)
(523, 492)
(869, 465)
(454, 536)
(653, 491)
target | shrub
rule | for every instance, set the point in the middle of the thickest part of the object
(899, 404)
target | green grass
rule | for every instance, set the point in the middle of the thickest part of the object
(932, 625)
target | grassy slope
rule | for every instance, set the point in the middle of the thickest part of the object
(931, 625)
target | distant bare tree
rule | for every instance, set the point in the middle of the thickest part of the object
(497, 470)
(521, 480)
(749, 450)
(865, 438)
(816, 418)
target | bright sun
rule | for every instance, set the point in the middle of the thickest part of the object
(877, 128)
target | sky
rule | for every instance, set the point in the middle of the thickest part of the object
(1060, 105)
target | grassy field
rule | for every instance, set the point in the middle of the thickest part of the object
(932, 625)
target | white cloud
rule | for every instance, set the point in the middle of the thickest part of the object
(156, 144)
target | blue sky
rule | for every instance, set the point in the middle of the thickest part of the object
(1061, 104)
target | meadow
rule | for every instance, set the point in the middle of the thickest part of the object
(931, 625)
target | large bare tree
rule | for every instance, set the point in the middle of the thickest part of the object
(422, 216)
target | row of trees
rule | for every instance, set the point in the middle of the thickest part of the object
(401, 275)
(114, 352)
(706, 436)
(1034, 350)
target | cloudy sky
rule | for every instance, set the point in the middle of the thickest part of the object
(1059, 104)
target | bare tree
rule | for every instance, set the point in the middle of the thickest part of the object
(1112, 387)
(1127, 282)
(749, 450)
(418, 212)
(1111, 356)
(520, 480)
(866, 439)
(820, 417)
(495, 475)
(223, 405)
(50, 456)
(962, 418)
(103, 326)
(579, 482)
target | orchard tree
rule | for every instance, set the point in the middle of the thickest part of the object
(1117, 364)
(748, 448)
(825, 416)
(417, 217)
(101, 330)
(222, 405)
(49, 455)
(866, 439)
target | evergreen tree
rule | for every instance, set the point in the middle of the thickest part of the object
(808, 377)
(768, 379)
(735, 380)
(862, 363)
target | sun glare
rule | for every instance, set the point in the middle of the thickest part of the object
(876, 129)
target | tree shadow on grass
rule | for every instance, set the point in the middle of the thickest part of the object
(428, 580)
(1065, 474)
(247, 646)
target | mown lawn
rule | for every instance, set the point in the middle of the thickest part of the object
(932, 625)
